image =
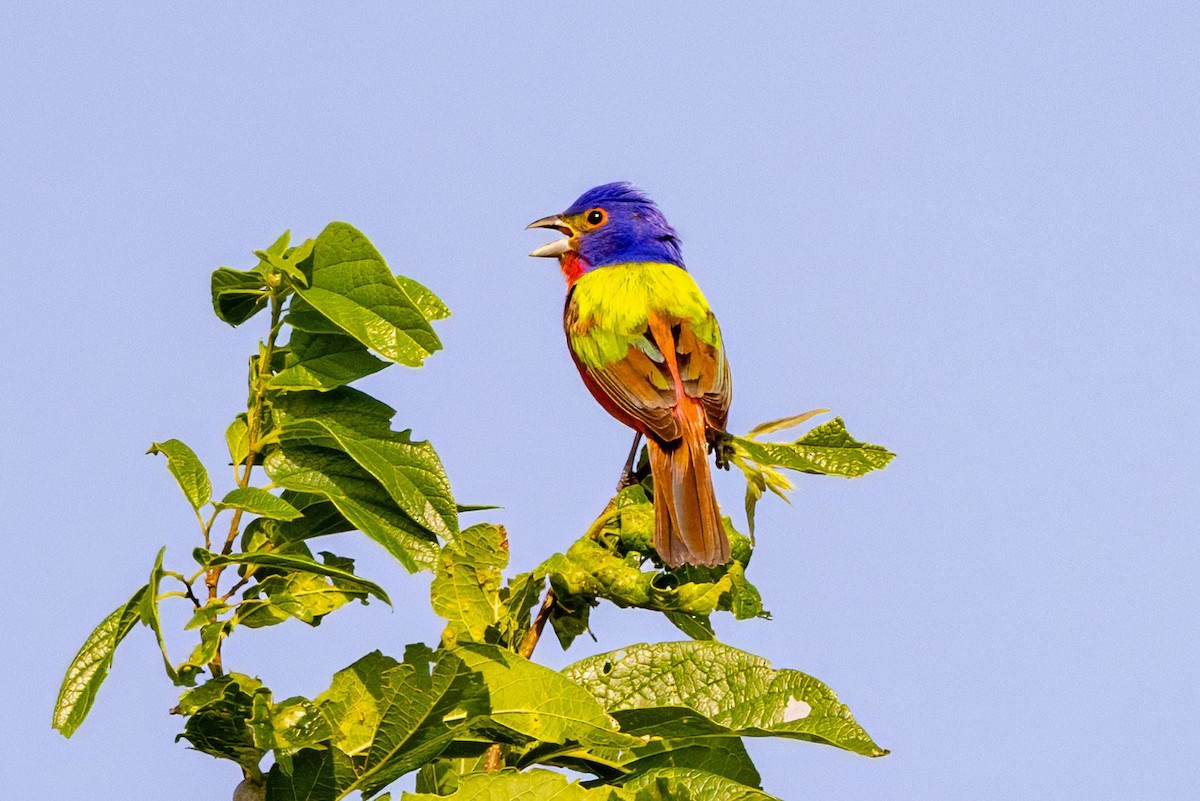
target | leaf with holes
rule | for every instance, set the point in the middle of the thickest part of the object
(681, 689)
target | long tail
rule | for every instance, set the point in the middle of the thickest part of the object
(687, 521)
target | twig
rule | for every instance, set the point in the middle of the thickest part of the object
(538, 626)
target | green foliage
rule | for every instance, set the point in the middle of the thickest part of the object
(827, 450)
(188, 470)
(90, 667)
(312, 456)
(607, 563)
(685, 688)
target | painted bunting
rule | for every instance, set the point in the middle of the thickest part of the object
(649, 349)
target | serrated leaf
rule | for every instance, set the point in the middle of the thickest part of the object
(530, 785)
(303, 596)
(538, 703)
(353, 287)
(219, 713)
(358, 497)
(259, 502)
(827, 450)
(90, 667)
(323, 361)
(237, 296)
(670, 689)
(393, 717)
(676, 784)
(351, 421)
(187, 469)
(519, 598)
(607, 564)
(290, 724)
(466, 583)
(301, 564)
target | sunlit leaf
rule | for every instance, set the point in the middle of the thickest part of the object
(358, 497)
(353, 422)
(188, 470)
(466, 584)
(323, 362)
(353, 287)
(90, 667)
(530, 785)
(682, 689)
(259, 502)
(302, 564)
(536, 702)
(828, 450)
(782, 423)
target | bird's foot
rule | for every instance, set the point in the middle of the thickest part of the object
(720, 445)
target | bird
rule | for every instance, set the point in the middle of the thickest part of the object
(649, 350)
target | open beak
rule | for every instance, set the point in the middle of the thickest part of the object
(559, 246)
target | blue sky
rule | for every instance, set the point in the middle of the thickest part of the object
(970, 230)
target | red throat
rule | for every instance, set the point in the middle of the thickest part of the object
(573, 266)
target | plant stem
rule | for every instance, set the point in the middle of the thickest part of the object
(539, 625)
(493, 760)
(254, 424)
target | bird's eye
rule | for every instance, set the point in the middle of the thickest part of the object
(596, 217)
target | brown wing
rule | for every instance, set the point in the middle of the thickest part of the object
(643, 389)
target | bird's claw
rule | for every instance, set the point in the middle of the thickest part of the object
(721, 446)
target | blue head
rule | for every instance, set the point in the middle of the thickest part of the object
(612, 224)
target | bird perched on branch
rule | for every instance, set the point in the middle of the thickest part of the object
(649, 349)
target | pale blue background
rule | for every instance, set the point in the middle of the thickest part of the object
(970, 231)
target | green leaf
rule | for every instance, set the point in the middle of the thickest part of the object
(301, 316)
(607, 563)
(290, 724)
(237, 296)
(358, 497)
(259, 502)
(237, 438)
(684, 688)
(301, 564)
(530, 785)
(723, 756)
(148, 613)
(535, 702)
(211, 635)
(353, 422)
(303, 596)
(429, 304)
(219, 713)
(283, 260)
(387, 719)
(782, 423)
(323, 362)
(353, 287)
(90, 667)
(519, 597)
(698, 627)
(827, 450)
(466, 584)
(677, 784)
(189, 472)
